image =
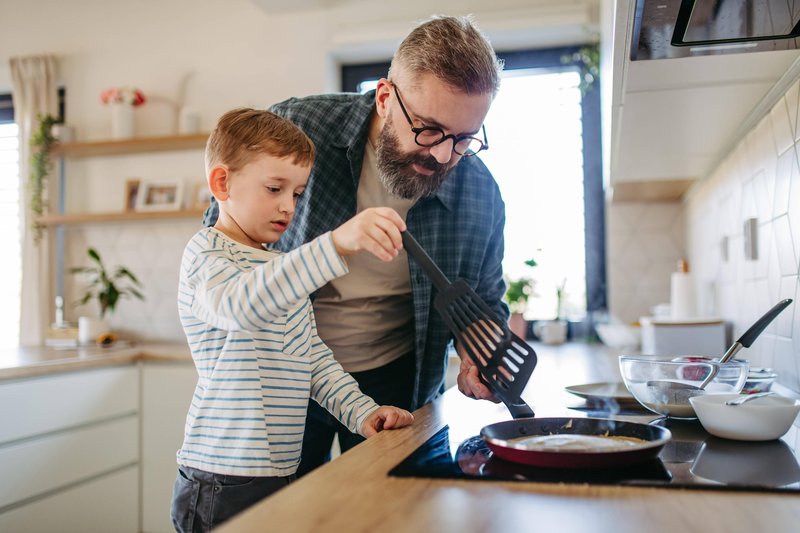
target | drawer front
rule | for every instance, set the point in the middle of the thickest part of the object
(33, 467)
(108, 504)
(54, 403)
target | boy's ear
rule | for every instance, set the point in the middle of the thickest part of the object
(219, 182)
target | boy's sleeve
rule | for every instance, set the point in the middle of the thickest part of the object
(336, 390)
(232, 298)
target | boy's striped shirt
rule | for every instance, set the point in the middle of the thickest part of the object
(251, 330)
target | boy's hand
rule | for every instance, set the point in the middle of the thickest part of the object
(376, 230)
(386, 417)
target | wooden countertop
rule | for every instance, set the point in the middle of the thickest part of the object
(353, 493)
(17, 363)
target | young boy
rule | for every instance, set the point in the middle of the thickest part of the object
(250, 326)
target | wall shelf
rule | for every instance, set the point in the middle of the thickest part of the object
(131, 146)
(123, 216)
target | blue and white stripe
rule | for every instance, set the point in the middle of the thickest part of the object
(251, 331)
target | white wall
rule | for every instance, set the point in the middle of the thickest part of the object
(232, 53)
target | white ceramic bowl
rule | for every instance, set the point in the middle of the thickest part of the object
(766, 418)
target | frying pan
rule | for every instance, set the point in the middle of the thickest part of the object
(499, 437)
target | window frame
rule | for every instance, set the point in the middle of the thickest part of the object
(7, 106)
(594, 195)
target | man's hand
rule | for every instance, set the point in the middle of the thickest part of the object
(469, 381)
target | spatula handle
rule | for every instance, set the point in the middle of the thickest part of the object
(755, 330)
(411, 245)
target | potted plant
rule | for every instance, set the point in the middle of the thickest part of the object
(517, 293)
(554, 331)
(107, 288)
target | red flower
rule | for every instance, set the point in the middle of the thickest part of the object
(123, 95)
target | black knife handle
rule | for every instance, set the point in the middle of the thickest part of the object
(755, 330)
(411, 245)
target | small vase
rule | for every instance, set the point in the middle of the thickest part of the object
(122, 125)
(90, 328)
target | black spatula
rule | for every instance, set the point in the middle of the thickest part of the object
(505, 362)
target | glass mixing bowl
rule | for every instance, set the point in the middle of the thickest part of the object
(649, 381)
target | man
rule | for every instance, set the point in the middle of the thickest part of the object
(408, 145)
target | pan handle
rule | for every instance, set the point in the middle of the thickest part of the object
(411, 245)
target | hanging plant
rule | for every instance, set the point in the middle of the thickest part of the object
(42, 142)
(587, 59)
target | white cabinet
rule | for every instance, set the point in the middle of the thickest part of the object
(93, 450)
(112, 498)
(69, 452)
(166, 394)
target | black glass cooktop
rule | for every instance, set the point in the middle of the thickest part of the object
(692, 459)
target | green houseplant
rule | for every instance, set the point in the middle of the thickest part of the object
(106, 287)
(517, 293)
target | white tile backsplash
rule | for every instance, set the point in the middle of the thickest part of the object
(759, 178)
(768, 186)
(152, 251)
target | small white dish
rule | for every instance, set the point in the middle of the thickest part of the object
(766, 418)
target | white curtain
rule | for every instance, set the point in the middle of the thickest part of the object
(34, 92)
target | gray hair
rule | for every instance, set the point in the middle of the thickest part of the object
(453, 50)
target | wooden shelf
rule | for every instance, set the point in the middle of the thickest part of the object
(92, 218)
(131, 146)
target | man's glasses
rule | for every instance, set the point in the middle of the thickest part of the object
(427, 136)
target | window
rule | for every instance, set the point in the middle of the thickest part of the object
(11, 265)
(545, 155)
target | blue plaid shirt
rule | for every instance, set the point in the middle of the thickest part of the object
(460, 226)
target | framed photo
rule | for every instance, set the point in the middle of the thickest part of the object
(131, 192)
(201, 196)
(159, 196)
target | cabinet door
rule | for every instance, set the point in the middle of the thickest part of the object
(53, 403)
(166, 394)
(107, 504)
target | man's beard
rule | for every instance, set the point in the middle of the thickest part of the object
(397, 174)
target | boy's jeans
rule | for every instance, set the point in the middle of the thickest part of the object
(203, 500)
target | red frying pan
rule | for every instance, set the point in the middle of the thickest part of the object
(501, 439)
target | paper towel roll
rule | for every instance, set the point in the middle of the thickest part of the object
(682, 293)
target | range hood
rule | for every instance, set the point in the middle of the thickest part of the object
(683, 28)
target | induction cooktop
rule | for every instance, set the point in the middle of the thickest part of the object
(692, 459)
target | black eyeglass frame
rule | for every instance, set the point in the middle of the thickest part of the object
(444, 136)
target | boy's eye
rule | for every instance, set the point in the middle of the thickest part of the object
(274, 189)
(299, 194)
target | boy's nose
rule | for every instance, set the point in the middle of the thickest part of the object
(287, 206)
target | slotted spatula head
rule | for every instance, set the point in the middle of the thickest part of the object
(504, 361)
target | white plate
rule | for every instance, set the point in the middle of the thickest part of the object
(603, 392)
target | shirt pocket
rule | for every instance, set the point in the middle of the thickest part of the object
(297, 331)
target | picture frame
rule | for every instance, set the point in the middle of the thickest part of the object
(159, 196)
(201, 196)
(131, 193)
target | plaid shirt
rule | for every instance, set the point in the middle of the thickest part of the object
(460, 226)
